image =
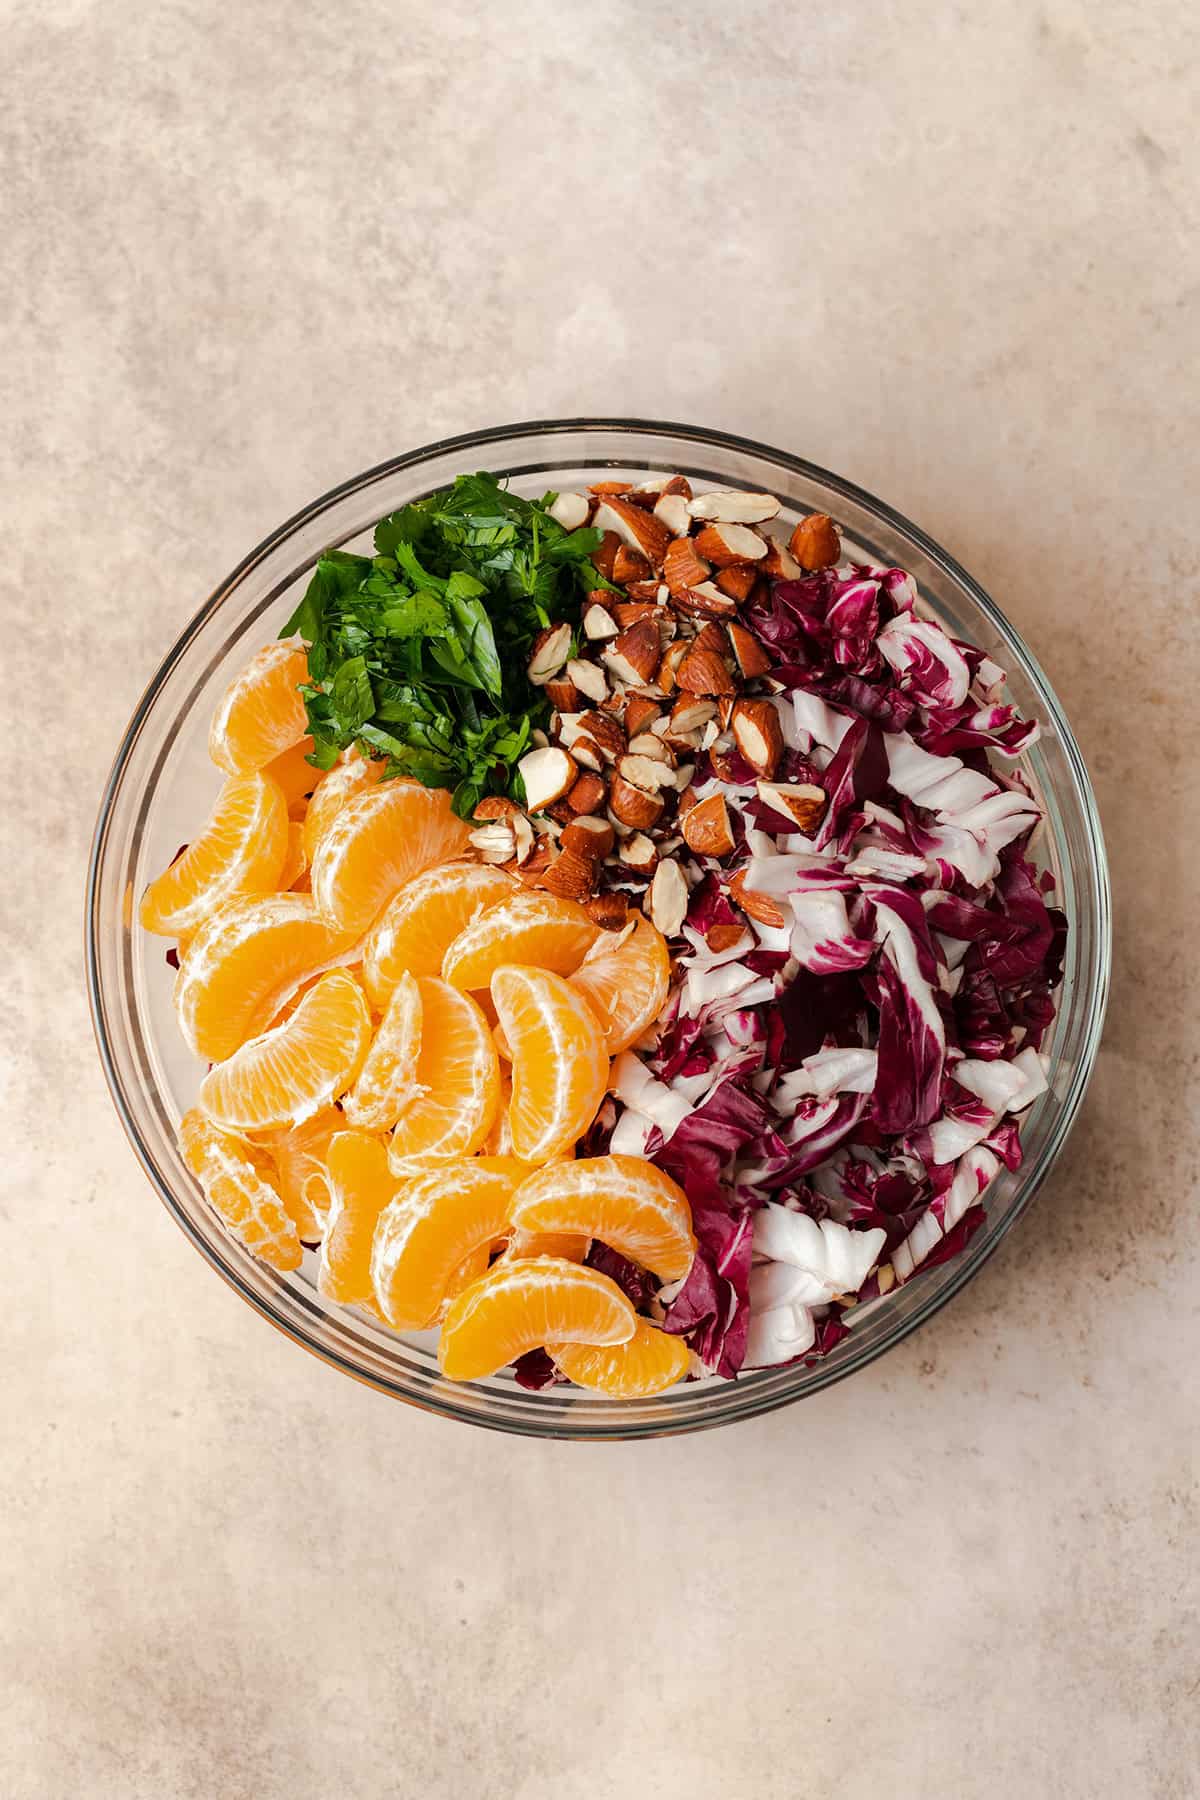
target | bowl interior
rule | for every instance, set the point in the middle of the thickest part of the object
(162, 785)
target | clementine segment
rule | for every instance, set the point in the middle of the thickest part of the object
(379, 840)
(292, 1071)
(354, 774)
(360, 1185)
(539, 930)
(418, 926)
(559, 1063)
(519, 1306)
(456, 1088)
(626, 985)
(624, 1201)
(387, 1082)
(301, 1172)
(241, 850)
(436, 1223)
(262, 713)
(235, 1181)
(295, 775)
(648, 1364)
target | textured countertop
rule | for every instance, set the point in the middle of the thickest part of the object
(949, 251)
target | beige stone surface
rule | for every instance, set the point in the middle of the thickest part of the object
(949, 250)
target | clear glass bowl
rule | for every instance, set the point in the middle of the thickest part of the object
(162, 783)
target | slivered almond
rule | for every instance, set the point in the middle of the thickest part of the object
(638, 852)
(590, 837)
(563, 695)
(704, 669)
(706, 828)
(815, 543)
(667, 901)
(799, 801)
(779, 563)
(547, 775)
(588, 679)
(635, 655)
(737, 581)
(635, 528)
(605, 731)
(586, 793)
(522, 832)
(650, 773)
(705, 602)
(683, 567)
(551, 649)
(634, 806)
(749, 654)
(640, 714)
(732, 506)
(752, 903)
(598, 622)
(571, 876)
(605, 555)
(571, 510)
(758, 735)
(629, 565)
(724, 545)
(609, 911)
(672, 510)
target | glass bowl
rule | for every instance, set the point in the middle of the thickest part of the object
(162, 783)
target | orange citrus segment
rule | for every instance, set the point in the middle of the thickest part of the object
(286, 1075)
(519, 1306)
(569, 1244)
(499, 1139)
(294, 863)
(301, 1175)
(452, 1103)
(379, 840)
(648, 1364)
(241, 965)
(559, 1063)
(624, 1201)
(539, 930)
(353, 775)
(387, 1080)
(442, 1219)
(418, 926)
(234, 1181)
(626, 985)
(241, 850)
(360, 1185)
(261, 714)
(295, 774)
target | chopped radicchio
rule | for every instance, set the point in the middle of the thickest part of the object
(835, 1092)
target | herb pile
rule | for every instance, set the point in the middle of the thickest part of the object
(420, 652)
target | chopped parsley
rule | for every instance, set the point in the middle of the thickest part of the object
(419, 653)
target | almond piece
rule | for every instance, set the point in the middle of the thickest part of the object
(571, 876)
(531, 871)
(736, 581)
(706, 829)
(749, 654)
(604, 731)
(722, 545)
(587, 792)
(598, 622)
(704, 669)
(691, 714)
(724, 937)
(731, 506)
(799, 801)
(551, 649)
(758, 735)
(628, 612)
(667, 901)
(646, 772)
(495, 843)
(563, 695)
(605, 555)
(643, 590)
(668, 669)
(779, 563)
(571, 510)
(634, 806)
(495, 806)
(588, 679)
(608, 487)
(588, 754)
(547, 774)
(609, 911)
(635, 655)
(815, 543)
(705, 602)
(629, 565)
(672, 510)
(522, 832)
(590, 837)
(752, 903)
(640, 714)
(638, 852)
(683, 567)
(635, 528)
(648, 743)
(678, 484)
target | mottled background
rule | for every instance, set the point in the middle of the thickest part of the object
(949, 250)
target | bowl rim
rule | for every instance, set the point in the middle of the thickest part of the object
(741, 1400)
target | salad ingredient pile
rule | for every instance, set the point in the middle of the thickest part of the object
(615, 943)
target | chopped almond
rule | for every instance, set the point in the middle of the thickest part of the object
(563, 695)
(587, 791)
(605, 731)
(638, 852)
(672, 510)
(758, 735)
(571, 876)
(706, 828)
(571, 510)
(629, 565)
(724, 545)
(682, 566)
(736, 581)
(751, 658)
(755, 905)
(636, 529)
(634, 806)
(598, 622)
(704, 669)
(732, 506)
(800, 802)
(705, 602)
(551, 649)
(667, 901)
(589, 837)
(609, 911)
(547, 775)
(815, 543)
(588, 679)
(635, 655)
(605, 555)
(640, 714)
